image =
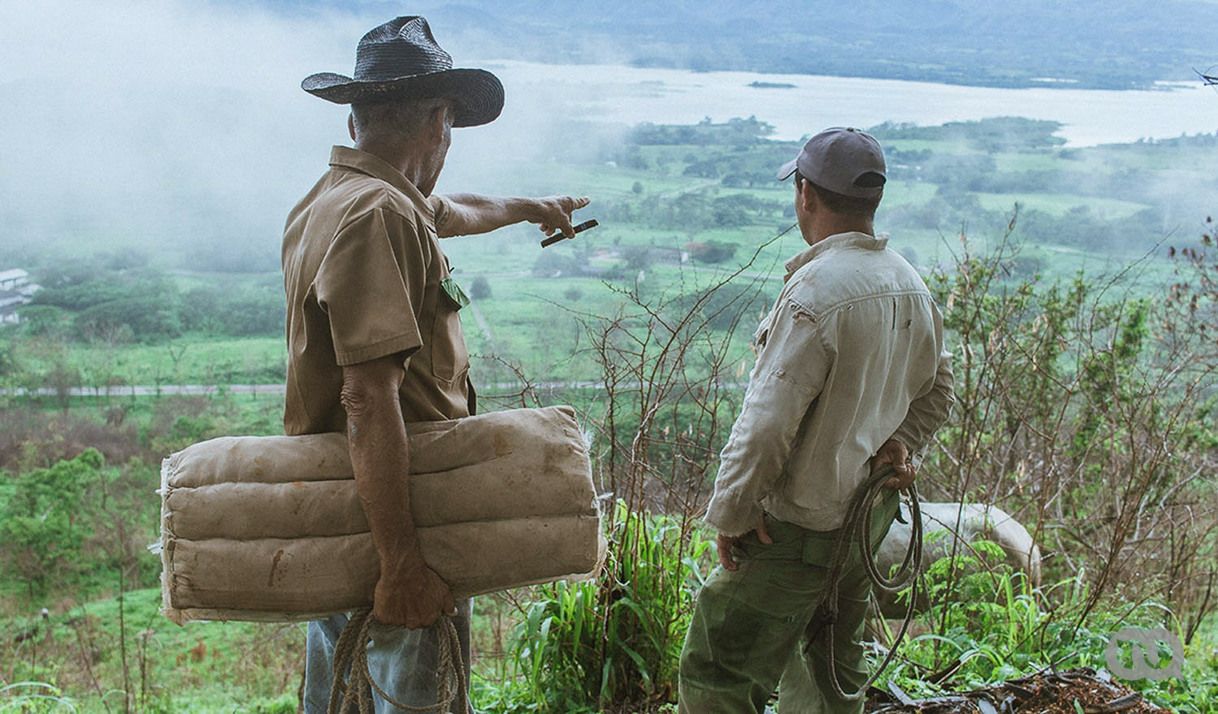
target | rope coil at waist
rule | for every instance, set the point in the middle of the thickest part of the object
(856, 530)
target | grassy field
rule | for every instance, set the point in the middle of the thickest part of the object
(1059, 204)
(658, 198)
(191, 359)
(93, 654)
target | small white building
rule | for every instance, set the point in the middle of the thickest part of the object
(15, 290)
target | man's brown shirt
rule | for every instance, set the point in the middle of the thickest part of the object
(365, 278)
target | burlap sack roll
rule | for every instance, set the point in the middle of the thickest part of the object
(271, 528)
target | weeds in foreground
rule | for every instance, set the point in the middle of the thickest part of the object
(569, 655)
(996, 627)
(34, 698)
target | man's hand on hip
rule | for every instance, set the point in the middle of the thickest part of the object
(413, 597)
(895, 454)
(725, 543)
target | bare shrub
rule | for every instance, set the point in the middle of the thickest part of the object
(32, 438)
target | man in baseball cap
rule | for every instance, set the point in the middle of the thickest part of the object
(851, 376)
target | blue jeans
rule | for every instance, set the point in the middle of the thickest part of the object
(402, 661)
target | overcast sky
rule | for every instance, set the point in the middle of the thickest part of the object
(180, 122)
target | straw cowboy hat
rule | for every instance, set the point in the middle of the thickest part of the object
(401, 60)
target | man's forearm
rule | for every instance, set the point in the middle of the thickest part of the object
(380, 458)
(472, 213)
(928, 412)
(756, 452)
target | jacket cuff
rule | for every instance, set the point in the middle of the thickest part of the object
(731, 515)
(911, 442)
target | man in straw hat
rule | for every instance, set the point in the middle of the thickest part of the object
(851, 374)
(374, 337)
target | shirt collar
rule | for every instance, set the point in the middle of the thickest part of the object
(376, 167)
(838, 240)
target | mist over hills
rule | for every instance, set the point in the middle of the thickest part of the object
(178, 128)
(1087, 43)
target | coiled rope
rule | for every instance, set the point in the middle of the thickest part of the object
(353, 683)
(856, 529)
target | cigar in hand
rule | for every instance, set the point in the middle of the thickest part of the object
(551, 240)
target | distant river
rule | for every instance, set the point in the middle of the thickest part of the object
(630, 95)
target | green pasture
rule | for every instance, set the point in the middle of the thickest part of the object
(190, 359)
(1060, 204)
(1028, 160)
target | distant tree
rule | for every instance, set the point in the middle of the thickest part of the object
(44, 321)
(636, 188)
(147, 319)
(61, 378)
(711, 251)
(480, 289)
(738, 209)
(552, 264)
(703, 169)
(730, 303)
(143, 302)
(8, 360)
(218, 309)
(125, 259)
(572, 294)
(1026, 265)
(40, 530)
(638, 257)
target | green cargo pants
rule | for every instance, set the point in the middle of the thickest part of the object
(748, 627)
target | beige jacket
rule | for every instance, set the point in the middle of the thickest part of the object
(852, 354)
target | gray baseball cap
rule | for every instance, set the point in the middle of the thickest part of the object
(844, 160)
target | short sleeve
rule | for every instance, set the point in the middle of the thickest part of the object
(441, 209)
(370, 291)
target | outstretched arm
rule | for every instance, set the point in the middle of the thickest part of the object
(469, 213)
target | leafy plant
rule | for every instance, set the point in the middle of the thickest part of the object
(584, 645)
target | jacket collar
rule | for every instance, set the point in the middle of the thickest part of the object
(855, 239)
(376, 167)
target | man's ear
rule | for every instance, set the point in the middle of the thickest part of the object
(438, 123)
(351, 126)
(807, 197)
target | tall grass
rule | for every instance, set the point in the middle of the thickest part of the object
(588, 646)
(34, 698)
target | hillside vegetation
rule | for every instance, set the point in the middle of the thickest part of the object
(1081, 302)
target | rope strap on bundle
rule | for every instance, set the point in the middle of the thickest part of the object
(354, 685)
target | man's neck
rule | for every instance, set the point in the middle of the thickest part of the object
(833, 225)
(410, 163)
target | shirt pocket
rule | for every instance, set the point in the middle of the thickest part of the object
(449, 355)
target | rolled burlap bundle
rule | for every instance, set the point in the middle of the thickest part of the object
(271, 528)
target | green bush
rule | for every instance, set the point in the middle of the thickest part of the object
(616, 640)
(41, 533)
